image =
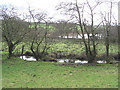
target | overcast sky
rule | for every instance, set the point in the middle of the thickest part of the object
(48, 6)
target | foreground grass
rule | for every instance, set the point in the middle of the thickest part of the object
(18, 73)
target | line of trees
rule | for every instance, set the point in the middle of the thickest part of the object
(35, 27)
(77, 11)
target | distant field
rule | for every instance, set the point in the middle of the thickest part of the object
(18, 73)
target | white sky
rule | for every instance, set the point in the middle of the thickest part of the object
(48, 6)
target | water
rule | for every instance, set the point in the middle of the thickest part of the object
(63, 60)
(30, 58)
(101, 62)
(77, 61)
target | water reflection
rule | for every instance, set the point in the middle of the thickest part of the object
(30, 58)
(76, 61)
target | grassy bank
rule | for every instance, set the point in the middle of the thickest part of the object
(18, 73)
(66, 46)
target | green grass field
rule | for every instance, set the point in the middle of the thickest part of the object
(17, 73)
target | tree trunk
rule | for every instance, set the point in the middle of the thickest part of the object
(22, 51)
(11, 48)
(107, 50)
(119, 41)
(61, 36)
(77, 36)
(34, 53)
(91, 58)
(67, 36)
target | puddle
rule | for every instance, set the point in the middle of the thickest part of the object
(101, 62)
(30, 58)
(76, 61)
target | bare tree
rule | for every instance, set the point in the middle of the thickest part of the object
(13, 28)
(76, 11)
(107, 24)
(39, 33)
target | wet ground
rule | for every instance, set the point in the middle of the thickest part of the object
(30, 58)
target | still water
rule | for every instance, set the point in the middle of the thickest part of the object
(30, 58)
